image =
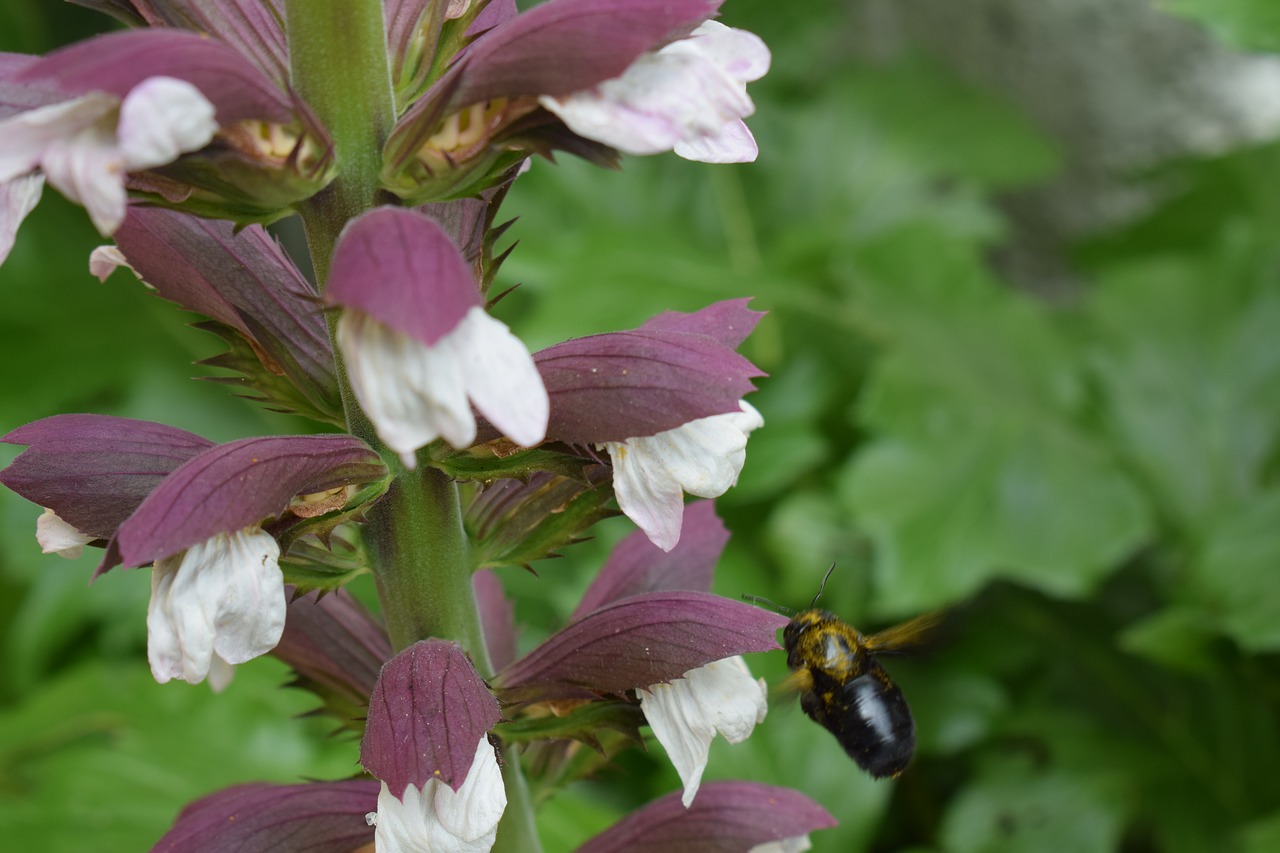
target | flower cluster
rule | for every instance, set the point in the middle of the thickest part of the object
(445, 449)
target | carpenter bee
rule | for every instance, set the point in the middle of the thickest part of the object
(844, 689)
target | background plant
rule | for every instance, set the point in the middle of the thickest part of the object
(1090, 483)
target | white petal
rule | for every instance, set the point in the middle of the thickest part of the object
(220, 674)
(732, 143)
(18, 197)
(702, 457)
(685, 714)
(797, 844)
(646, 492)
(105, 260)
(411, 392)
(26, 135)
(741, 54)
(689, 96)
(641, 112)
(436, 819)
(160, 119)
(415, 393)
(57, 537)
(224, 596)
(747, 418)
(88, 168)
(501, 378)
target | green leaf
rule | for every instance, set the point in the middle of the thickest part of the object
(915, 105)
(1246, 24)
(104, 753)
(1184, 351)
(1236, 574)
(574, 815)
(1178, 637)
(1261, 836)
(1014, 806)
(982, 465)
(955, 709)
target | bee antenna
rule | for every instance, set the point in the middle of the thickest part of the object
(778, 607)
(822, 586)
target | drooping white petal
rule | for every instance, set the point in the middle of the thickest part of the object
(223, 597)
(57, 537)
(732, 143)
(410, 391)
(689, 96)
(686, 713)
(646, 492)
(501, 377)
(18, 197)
(161, 118)
(88, 168)
(415, 393)
(702, 457)
(437, 819)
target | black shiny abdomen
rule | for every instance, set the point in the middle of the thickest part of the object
(869, 717)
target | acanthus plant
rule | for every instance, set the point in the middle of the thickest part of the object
(457, 451)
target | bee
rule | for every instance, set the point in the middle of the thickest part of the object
(844, 689)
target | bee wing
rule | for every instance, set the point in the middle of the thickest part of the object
(911, 633)
(799, 681)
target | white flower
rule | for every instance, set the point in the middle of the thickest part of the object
(18, 197)
(686, 714)
(57, 537)
(690, 97)
(219, 602)
(415, 393)
(437, 819)
(702, 457)
(87, 145)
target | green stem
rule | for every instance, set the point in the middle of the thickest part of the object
(418, 547)
(422, 559)
(339, 65)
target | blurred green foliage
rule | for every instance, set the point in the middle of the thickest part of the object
(1089, 486)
